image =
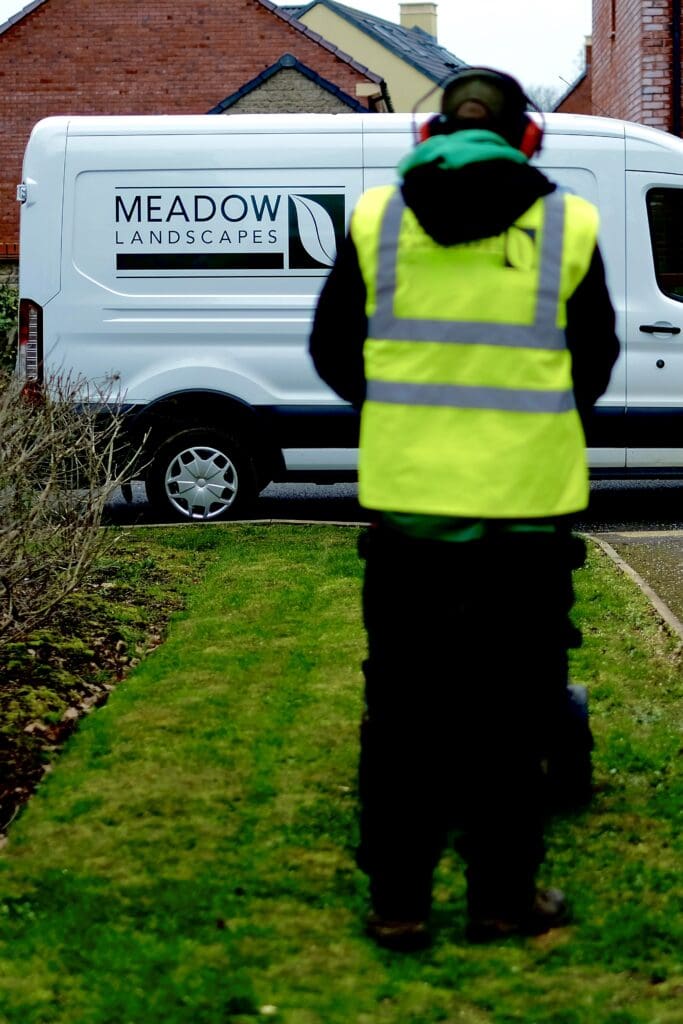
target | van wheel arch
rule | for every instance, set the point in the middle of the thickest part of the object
(183, 433)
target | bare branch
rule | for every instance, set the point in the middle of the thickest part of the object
(58, 468)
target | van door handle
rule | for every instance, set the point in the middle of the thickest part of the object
(659, 329)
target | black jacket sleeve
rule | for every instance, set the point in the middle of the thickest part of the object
(591, 337)
(340, 328)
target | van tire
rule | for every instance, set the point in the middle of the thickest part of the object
(201, 475)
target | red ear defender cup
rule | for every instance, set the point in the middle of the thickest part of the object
(531, 139)
(434, 126)
(530, 143)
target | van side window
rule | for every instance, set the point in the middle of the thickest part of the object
(665, 215)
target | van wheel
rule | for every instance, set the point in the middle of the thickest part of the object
(201, 475)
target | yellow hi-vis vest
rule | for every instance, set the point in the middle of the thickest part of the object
(470, 408)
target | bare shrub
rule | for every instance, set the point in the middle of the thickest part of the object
(57, 470)
(9, 304)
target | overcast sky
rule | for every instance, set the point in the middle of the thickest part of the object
(538, 41)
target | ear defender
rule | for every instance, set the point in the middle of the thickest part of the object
(497, 91)
(530, 142)
(531, 138)
(434, 126)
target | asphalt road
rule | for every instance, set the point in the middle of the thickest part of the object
(615, 506)
(324, 504)
(641, 520)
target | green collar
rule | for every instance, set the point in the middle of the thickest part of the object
(451, 152)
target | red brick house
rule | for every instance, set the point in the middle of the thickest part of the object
(161, 56)
(635, 70)
(577, 99)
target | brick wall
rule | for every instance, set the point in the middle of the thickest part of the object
(631, 75)
(579, 99)
(138, 57)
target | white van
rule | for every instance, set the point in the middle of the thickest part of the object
(176, 261)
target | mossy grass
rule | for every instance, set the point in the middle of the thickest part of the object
(190, 858)
(56, 673)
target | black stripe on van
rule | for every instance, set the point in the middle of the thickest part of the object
(311, 426)
(648, 427)
(200, 261)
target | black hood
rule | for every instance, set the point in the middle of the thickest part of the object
(477, 201)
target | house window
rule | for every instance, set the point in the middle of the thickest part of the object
(665, 215)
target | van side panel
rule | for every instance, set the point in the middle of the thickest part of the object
(187, 263)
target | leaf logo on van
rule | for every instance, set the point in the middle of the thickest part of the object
(316, 225)
(316, 230)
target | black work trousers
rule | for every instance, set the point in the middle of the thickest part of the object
(466, 680)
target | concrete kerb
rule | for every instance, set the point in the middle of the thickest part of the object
(663, 610)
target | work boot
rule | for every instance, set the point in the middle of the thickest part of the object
(401, 936)
(548, 910)
(401, 905)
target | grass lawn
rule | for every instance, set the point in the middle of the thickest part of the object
(189, 860)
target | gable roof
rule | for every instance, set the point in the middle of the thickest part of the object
(282, 12)
(570, 89)
(287, 60)
(412, 45)
(18, 15)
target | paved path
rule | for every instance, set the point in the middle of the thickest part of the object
(655, 561)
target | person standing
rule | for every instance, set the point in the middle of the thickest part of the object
(468, 319)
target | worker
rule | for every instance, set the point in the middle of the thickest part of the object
(467, 317)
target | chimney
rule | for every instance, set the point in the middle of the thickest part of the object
(419, 16)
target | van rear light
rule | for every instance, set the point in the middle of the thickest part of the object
(30, 356)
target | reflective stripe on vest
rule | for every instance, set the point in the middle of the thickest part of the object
(466, 396)
(542, 333)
